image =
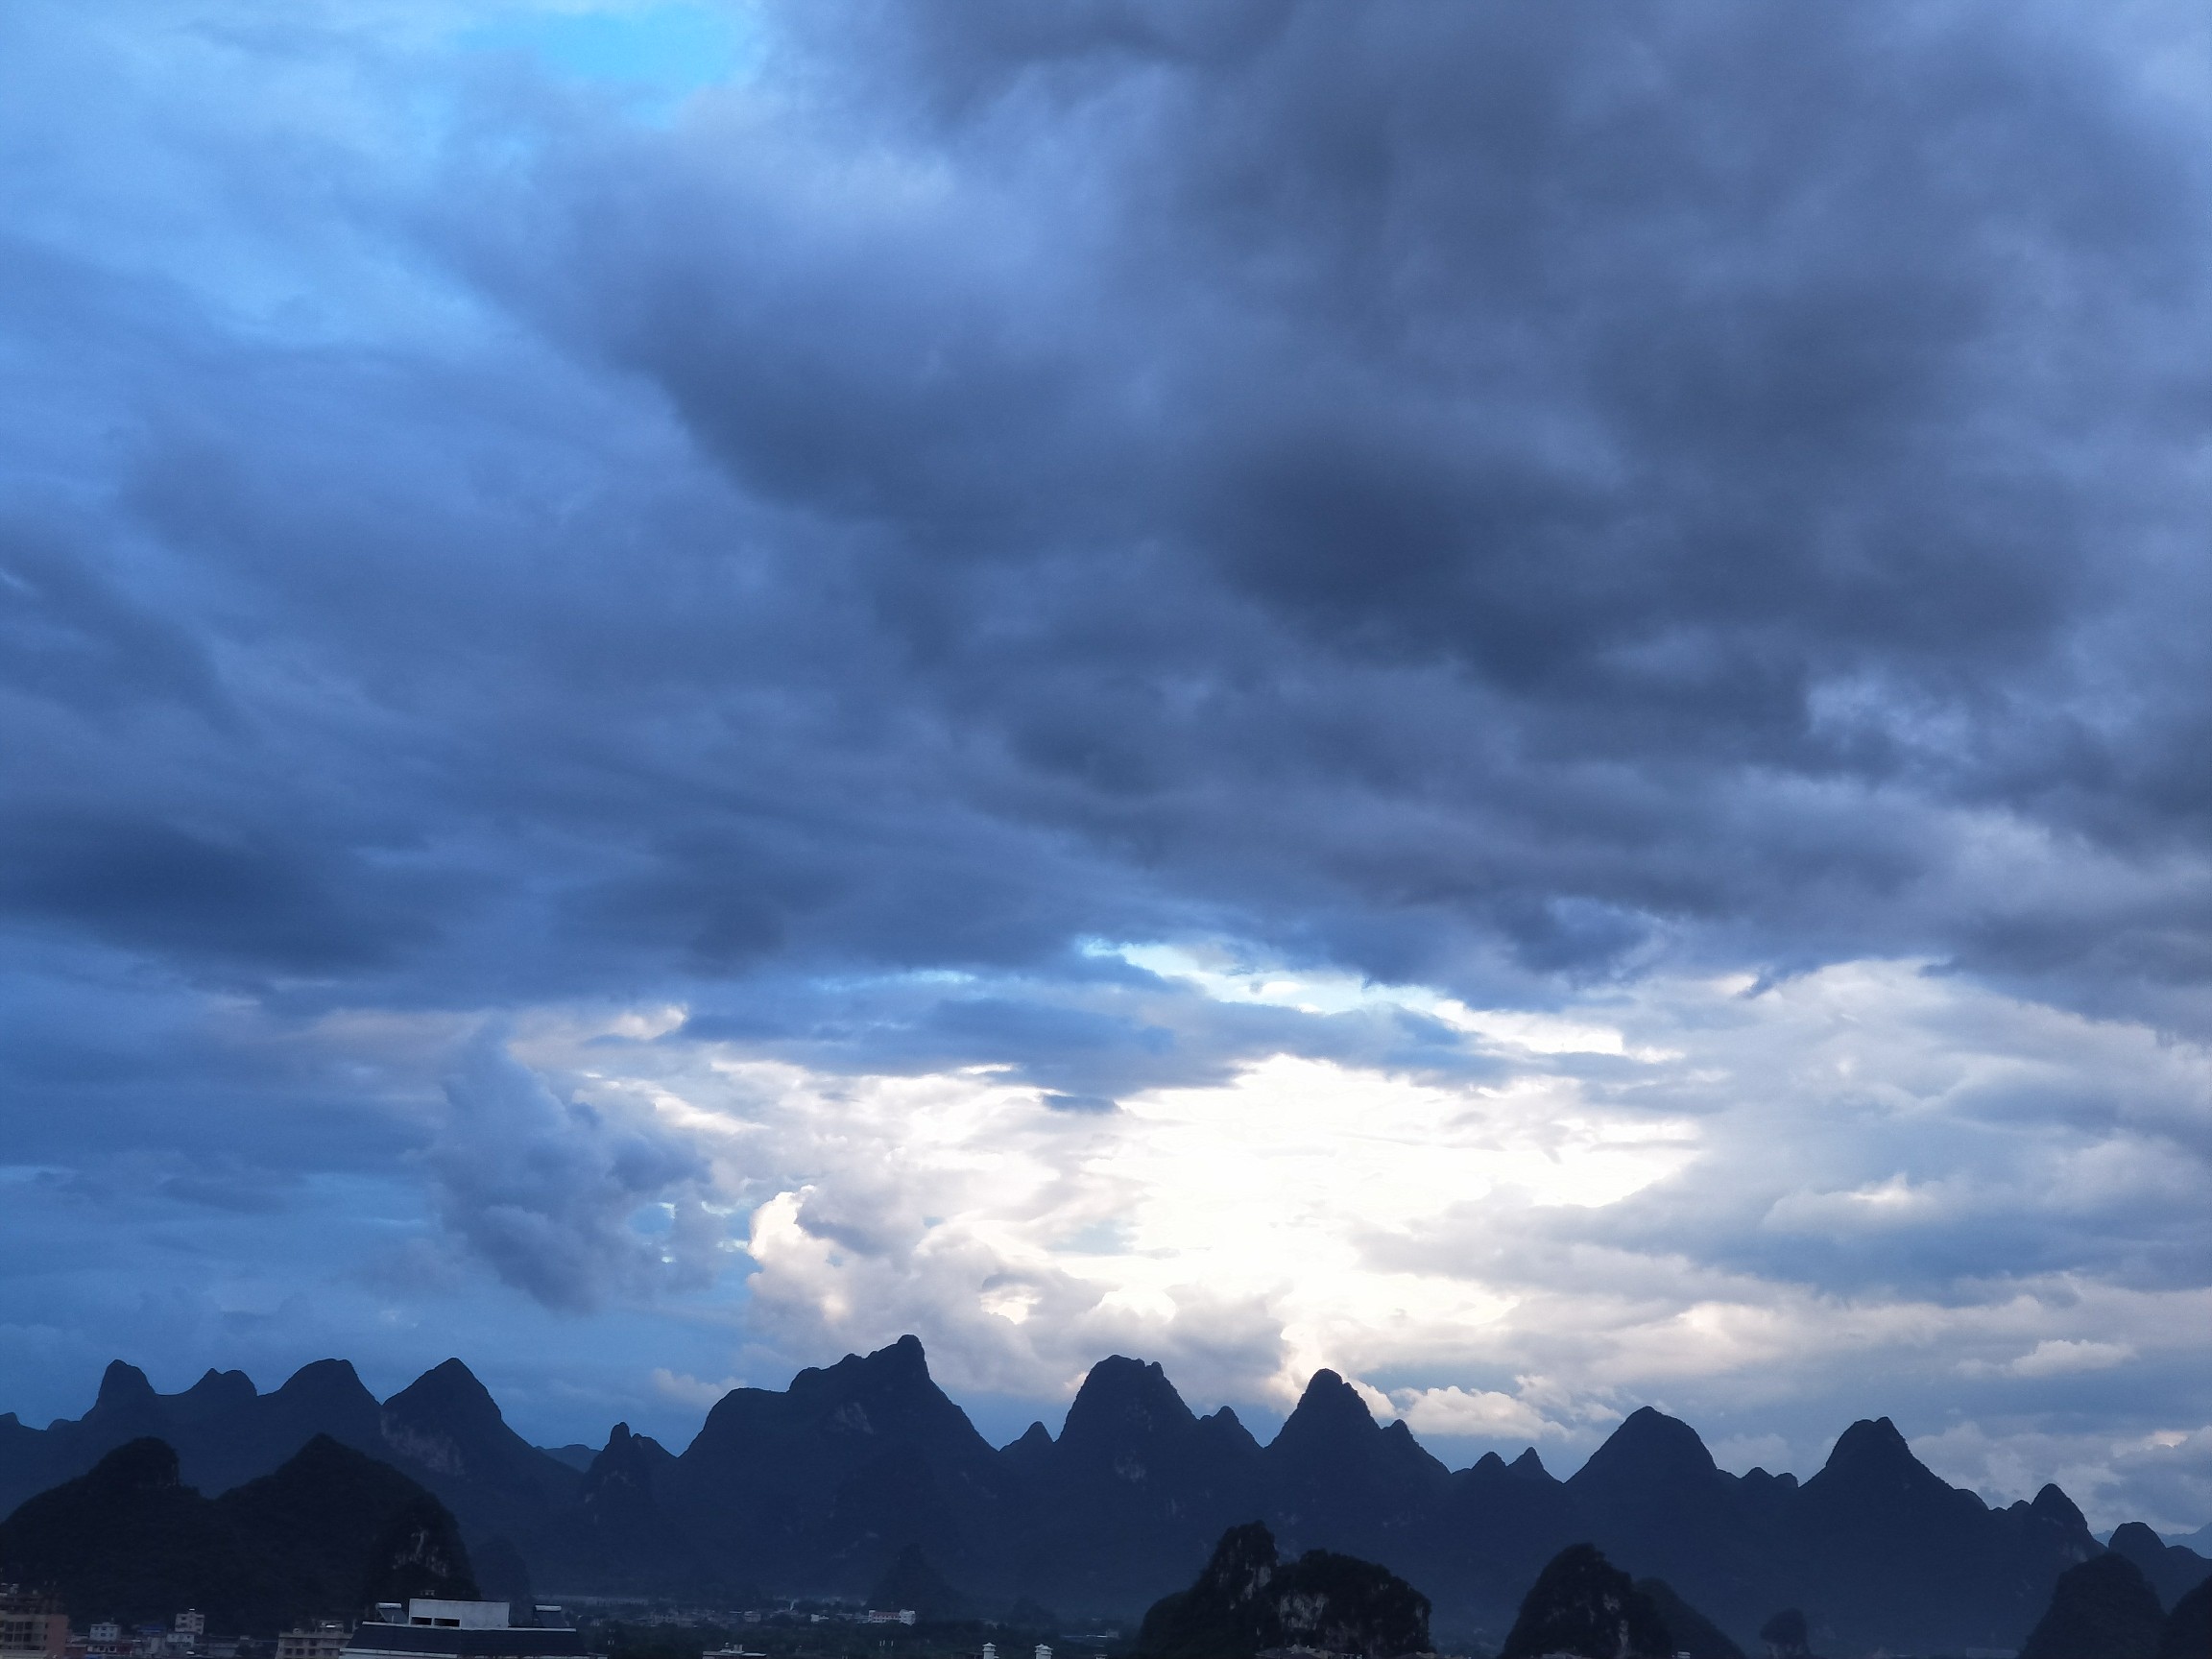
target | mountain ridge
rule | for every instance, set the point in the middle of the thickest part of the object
(327, 1533)
(824, 1486)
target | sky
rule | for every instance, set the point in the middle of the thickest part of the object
(1510, 698)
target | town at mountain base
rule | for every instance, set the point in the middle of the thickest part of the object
(823, 1488)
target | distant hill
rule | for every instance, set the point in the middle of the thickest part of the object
(2102, 1609)
(442, 1429)
(913, 1584)
(325, 1534)
(822, 1488)
(2188, 1628)
(2170, 1570)
(1692, 1632)
(1583, 1605)
(1248, 1599)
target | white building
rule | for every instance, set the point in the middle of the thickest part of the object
(442, 1630)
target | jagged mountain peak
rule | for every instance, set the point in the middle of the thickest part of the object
(1033, 1450)
(900, 1364)
(123, 1385)
(865, 1404)
(1329, 1408)
(627, 1458)
(449, 1392)
(1123, 1400)
(1648, 1448)
(1871, 1457)
(324, 1378)
(2054, 1505)
(1225, 1428)
(1870, 1443)
(1529, 1467)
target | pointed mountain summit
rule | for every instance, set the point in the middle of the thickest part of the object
(441, 1417)
(821, 1485)
(1330, 1411)
(833, 1419)
(1652, 1495)
(1338, 1478)
(1135, 1490)
(1226, 1430)
(123, 1387)
(1031, 1452)
(1649, 1448)
(1870, 1458)
(620, 1533)
(445, 1430)
(625, 1473)
(2055, 1506)
(1882, 1544)
(1126, 1408)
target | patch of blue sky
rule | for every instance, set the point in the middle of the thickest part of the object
(652, 56)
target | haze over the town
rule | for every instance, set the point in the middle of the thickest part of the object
(1511, 698)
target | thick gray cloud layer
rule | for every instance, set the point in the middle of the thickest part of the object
(1535, 503)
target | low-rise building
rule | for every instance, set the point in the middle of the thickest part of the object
(325, 1638)
(445, 1629)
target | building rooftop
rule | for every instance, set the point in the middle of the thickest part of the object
(454, 1641)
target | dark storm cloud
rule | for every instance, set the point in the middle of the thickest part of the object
(1516, 500)
(1582, 473)
(546, 1191)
